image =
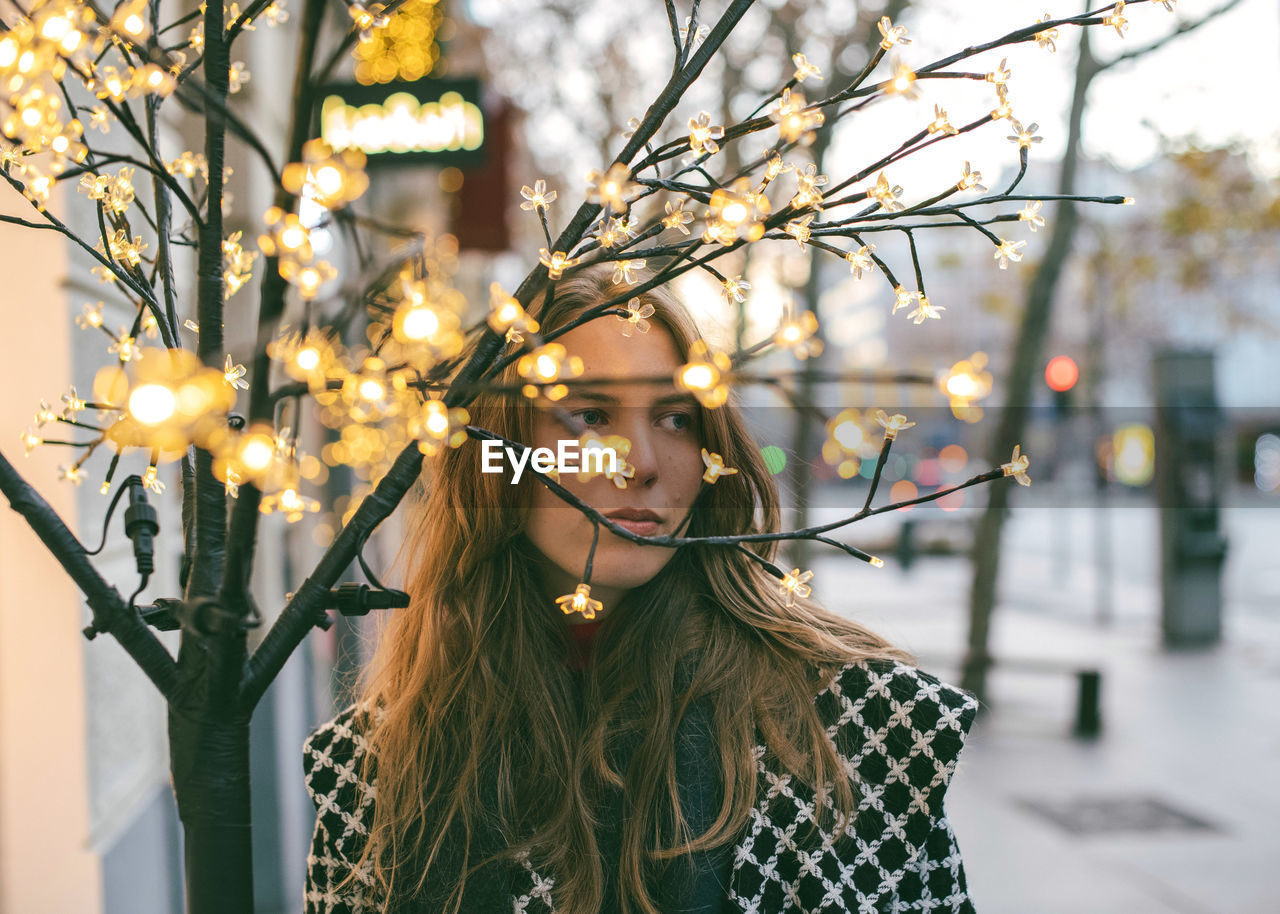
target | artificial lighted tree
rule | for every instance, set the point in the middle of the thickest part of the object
(663, 202)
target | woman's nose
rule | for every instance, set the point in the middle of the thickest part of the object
(643, 456)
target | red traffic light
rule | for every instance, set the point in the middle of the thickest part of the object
(1061, 373)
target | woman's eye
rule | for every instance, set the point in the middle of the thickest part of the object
(680, 422)
(591, 416)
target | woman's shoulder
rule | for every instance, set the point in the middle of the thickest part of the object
(333, 763)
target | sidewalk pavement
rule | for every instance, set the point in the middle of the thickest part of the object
(1186, 772)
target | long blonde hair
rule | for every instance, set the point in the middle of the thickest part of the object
(480, 722)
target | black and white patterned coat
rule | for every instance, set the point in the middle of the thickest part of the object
(898, 730)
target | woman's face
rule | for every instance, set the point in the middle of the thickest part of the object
(662, 425)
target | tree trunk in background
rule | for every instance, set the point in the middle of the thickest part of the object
(1019, 384)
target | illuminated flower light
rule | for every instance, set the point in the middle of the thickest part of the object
(736, 213)
(308, 278)
(149, 326)
(633, 124)
(940, 123)
(168, 398)
(125, 346)
(704, 375)
(804, 69)
(614, 231)
(715, 467)
(966, 382)
(1116, 19)
(331, 179)
(237, 265)
(130, 20)
(775, 167)
(556, 263)
(537, 197)
(189, 164)
(1017, 466)
(860, 260)
(1024, 137)
(735, 290)
(891, 34)
(903, 82)
(580, 602)
(1000, 75)
(793, 584)
(90, 316)
(422, 319)
(1005, 110)
(437, 426)
(886, 194)
(151, 481)
(308, 358)
(544, 367)
(892, 424)
(1047, 38)
(234, 374)
(902, 299)
(699, 34)
(621, 447)
(635, 318)
(808, 183)
(286, 237)
(623, 270)
(925, 309)
(289, 502)
(72, 474)
(971, 180)
(153, 79)
(45, 414)
(93, 186)
(30, 441)
(703, 136)
(505, 313)
(677, 217)
(1031, 214)
(796, 124)
(799, 229)
(1008, 250)
(612, 188)
(798, 336)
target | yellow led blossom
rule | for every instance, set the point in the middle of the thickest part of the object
(798, 336)
(122, 249)
(1005, 110)
(93, 186)
(189, 164)
(940, 123)
(793, 585)
(925, 310)
(621, 447)
(892, 424)
(623, 270)
(633, 124)
(891, 34)
(775, 167)
(580, 602)
(795, 123)
(237, 264)
(545, 366)
(1047, 38)
(288, 502)
(636, 317)
(155, 80)
(149, 326)
(556, 263)
(677, 217)
(715, 466)
(309, 278)
(1116, 19)
(72, 474)
(1009, 250)
(735, 290)
(286, 236)
(614, 231)
(1000, 75)
(860, 260)
(438, 427)
(1024, 137)
(808, 183)
(1031, 214)
(966, 382)
(903, 81)
(1017, 466)
(234, 374)
(331, 179)
(799, 229)
(119, 192)
(505, 313)
(886, 194)
(150, 481)
(703, 136)
(736, 212)
(237, 77)
(169, 400)
(971, 180)
(612, 188)
(423, 319)
(307, 358)
(537, 197)
(902, 299)
(804, 69)
(73, 403)
(130, 20)
(45, 414)
(30, 441)
(703, 375)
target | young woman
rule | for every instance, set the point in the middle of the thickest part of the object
(704, 744)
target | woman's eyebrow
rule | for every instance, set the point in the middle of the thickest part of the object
(599, 396)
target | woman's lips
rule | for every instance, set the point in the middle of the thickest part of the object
(638, 527)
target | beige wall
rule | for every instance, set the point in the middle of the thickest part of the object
(45, 861)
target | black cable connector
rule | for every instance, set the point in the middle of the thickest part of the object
(352, 599)
(141, 525)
